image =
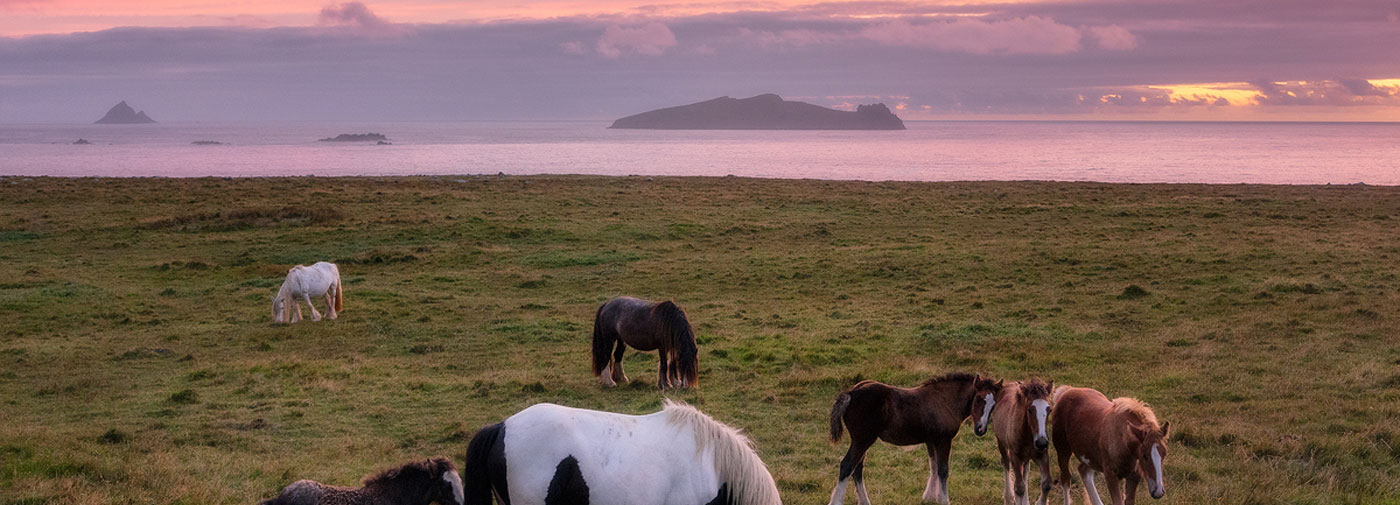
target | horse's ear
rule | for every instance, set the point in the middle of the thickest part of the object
(1164, 429)
(1000, 383)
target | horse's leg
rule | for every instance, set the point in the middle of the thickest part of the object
(945, 450)
(1008, 492)
(1091, 493)
(330, 303)
(1063, 455)
(1115, 489)
(1044, 463)
(1020, 489)
(618, 375)
(673, 374)
(855, 455)
(296, 304)
(859, 477)
(661, 380)
(1130, 493)
(931, 492)
(315, 316)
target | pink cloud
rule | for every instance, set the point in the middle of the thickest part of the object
(650, 39)
(572, 47)
(1027, 35)
(356, 15)
(1112, 37)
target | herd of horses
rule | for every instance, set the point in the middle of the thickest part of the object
(554, 455)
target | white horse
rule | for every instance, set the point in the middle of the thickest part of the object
(321, 279)
(553, 455)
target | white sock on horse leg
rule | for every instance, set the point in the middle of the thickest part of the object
(838, 495)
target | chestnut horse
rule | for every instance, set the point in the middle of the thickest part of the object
(644, 325)
(1120, 438)
(929, 414)
(1020, 421)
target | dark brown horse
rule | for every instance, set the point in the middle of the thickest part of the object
(1020, 420)
(1120, 438)
(417, 483)
(644, 325)
(929, 414)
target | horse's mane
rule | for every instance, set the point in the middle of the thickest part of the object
(950, 377)
(1135, 409)
(736, 463)
(676, 327)
(1035, 388)
(431, 467)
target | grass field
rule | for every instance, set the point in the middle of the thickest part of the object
(139, 363)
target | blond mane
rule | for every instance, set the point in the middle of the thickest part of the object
(736, 463)
(1136, 409)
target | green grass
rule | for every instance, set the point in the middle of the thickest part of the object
(139, 363)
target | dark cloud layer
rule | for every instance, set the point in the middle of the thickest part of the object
(1060, 58)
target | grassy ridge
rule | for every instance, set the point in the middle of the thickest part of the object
(139, 364)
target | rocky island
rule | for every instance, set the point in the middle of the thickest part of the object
(122, 113)
(356, 137)
(762, 112)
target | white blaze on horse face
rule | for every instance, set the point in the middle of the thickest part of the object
(455, 481)
(987, 410)
(1042, 410)
(1156, 486)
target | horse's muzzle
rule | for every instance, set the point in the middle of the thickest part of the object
(1157, 492)
(979, 430)
(1041, 443)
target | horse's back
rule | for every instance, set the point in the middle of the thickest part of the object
(1078, 416)
(623, 459)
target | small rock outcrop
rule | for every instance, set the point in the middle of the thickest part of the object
(356, 137)
(207, 143)
(122, 113)
(762, 112)
(82, 142)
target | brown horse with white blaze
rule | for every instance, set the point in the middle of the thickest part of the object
(644, 325)
(1020, 420)
(1118, 437)
(929, 414)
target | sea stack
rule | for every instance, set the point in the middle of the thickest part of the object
(762, 112)
(122, 113)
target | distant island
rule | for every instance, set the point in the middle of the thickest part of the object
(355, 137)
(762, 112)
(207, 143)
(122, 113)
(82, 142)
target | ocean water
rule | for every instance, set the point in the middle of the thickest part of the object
(1273, 153)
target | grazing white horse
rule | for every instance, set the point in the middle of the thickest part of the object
(321, 279)
(553, 455)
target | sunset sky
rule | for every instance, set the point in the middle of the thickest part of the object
(205, 60)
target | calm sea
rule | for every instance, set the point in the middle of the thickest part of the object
(1282, 153)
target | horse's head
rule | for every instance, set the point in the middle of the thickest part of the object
(447, 483)
(279, 307)
(984, 397)
(1152, 456)
(1036, 398)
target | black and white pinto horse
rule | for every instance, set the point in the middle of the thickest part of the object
(553, 455)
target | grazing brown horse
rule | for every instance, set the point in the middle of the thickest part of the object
(929, 414)
(1020, 422)
(1120, 438)
(644, 325)
(417, 483)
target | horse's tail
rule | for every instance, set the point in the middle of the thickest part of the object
(339, 292)
(682, 340)
(838, 414)
(485, 464)
(602, 344)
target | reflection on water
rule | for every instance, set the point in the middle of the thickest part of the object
(1286, 153)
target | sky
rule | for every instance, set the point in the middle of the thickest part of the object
(67, 61)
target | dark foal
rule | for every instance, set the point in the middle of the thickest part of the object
(418, 483)
(929, 414)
